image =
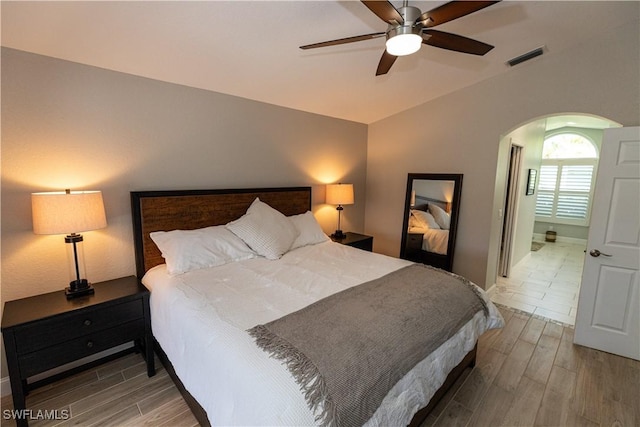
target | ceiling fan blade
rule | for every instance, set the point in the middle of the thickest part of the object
(455, 42)
(450, 11)
(385, 63)
(385, 11)
(343, 41)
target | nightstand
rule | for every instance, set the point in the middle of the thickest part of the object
(360, 241)
(47, 331)
(413, 246)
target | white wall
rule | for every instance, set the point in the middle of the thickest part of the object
(66, 125)
(460, 133)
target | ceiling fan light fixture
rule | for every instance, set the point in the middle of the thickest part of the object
(404, 44)
(405, 39)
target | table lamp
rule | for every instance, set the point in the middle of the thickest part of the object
(339, 194)
(70, 212)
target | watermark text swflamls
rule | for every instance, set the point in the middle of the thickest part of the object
(40, 414)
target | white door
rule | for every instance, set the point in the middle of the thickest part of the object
(510, 209)
(608, 316)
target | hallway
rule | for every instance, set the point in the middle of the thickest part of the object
(545, 283)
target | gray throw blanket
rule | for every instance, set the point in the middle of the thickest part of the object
(348, 350)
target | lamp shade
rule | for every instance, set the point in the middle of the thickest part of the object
(67, 212)
(339, 194)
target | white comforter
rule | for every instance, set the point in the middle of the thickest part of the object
(433, 240)
(200, 319)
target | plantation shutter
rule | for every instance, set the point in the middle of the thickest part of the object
(564, 191)
(573, 195)
(546, 190)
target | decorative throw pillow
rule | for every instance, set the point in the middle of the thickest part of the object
(442, 218)
(310, 232)
(268, 232)
(186, 250)
(425, 219)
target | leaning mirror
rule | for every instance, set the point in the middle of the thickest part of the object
(431, 209)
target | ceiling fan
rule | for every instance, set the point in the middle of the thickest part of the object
(408, 28)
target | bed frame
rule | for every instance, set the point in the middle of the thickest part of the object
(422, 203)
(191, 209)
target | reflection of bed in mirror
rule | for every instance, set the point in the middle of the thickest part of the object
(431, 213)
(431, 218)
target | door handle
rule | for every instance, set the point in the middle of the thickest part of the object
(596, 253)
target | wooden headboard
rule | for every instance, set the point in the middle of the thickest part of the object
(191, 209)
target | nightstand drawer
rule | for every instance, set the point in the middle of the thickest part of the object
(355, 240)
(74, 325)
(56, 355)
(365, 244)
(414, 241)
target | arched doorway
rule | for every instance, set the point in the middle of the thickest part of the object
(543, 281)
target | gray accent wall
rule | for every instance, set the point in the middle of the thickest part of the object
(66, 125)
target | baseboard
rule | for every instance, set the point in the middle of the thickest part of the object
(5, 387)
(560, 239)
(6, 384)
(491, 290)
(524, 260)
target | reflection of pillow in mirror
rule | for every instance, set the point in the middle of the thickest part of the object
(413, 221)
(425, 219)
(442, 218)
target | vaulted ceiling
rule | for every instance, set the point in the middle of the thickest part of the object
(251, 48)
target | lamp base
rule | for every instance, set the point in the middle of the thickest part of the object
(338, 235)
(78, 289)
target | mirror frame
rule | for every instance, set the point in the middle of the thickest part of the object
(431, 258)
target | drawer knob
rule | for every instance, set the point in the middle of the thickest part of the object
(87, 322)
(89, 344)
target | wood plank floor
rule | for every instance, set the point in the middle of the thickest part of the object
(117, 393)
(528, 374)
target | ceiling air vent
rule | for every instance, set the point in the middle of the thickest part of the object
(525, 57)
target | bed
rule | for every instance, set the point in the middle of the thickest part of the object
(200, 318)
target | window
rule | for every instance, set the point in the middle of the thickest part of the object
(566, 179)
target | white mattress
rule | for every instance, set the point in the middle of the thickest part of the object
(200, 319)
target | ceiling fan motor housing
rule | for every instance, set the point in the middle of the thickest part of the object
(410, 14)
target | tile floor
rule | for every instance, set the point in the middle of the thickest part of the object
(545, 283)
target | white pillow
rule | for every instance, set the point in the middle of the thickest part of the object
(442, 218)
(413, 221)
(310, 232)
(425, 219)
(265, 230)
(186, 250)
